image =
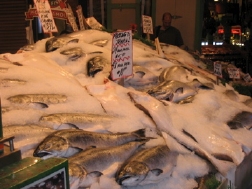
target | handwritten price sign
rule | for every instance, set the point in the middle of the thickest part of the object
(147, 24)
(217, 69)
(45, 16)
(233, 73)
(121, 54)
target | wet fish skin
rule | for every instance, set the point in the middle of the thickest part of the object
(38, 98)
(87, 166)
(173, 73)
(67, 142)
(147, 166)
(100, 43)
(56, 42)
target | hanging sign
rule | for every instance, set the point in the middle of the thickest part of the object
(217, 69)
(45, 16)
(233, 73)
(121, 58)
(80, 17)
(147, 24)
(71, 18)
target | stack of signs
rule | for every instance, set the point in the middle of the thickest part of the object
(45, 16)
(121, 57)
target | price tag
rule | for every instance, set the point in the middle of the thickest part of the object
(217, 69)
(121, 62)
(45, 16)
(147, 24)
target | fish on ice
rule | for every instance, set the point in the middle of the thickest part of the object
(87, 166)
(67, 142)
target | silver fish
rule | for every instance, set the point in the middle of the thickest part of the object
(158, 112)
(11, 82)
(96, 64)
(147, 166)
(175, 91)
(38, 98)
(56, 42)
(141, 78)
(76, 52)
(87, 166)
(241, 120)
(67, 142)
(75, 120)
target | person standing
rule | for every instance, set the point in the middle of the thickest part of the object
(167, 33)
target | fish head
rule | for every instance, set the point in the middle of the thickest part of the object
(132, 174)
(52, 146)
(161, 93)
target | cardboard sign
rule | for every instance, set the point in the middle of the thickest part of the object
(147, 24)
(71, 18)
(121, 58)
(218, 69)
(247, 77)
(45, 16)
(80, 17)
(233, 73)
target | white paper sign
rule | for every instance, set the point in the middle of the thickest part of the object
(247, 77)
(121, 58)
(147, 24)
(45, 16)
(217, 69)
(233, 73)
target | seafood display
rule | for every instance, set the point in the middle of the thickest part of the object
(164, 126)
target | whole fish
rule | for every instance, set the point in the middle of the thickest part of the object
(75, 120)
(175, 91)
(56, 42)
(160, 116)
(241, 120)
(147, 166)
(87, 166)
(67, 142)
(38, 98)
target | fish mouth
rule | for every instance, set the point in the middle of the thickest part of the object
(43, 154)
(120, 180)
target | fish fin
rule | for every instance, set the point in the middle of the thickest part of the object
(95, 174)
(223, 157)
(157, 172)
(179, 90)
(140, 73)
(188, 134)
(38, 105)
(73, 41)
(67, 126)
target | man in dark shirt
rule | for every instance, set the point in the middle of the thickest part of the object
(167, 33)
